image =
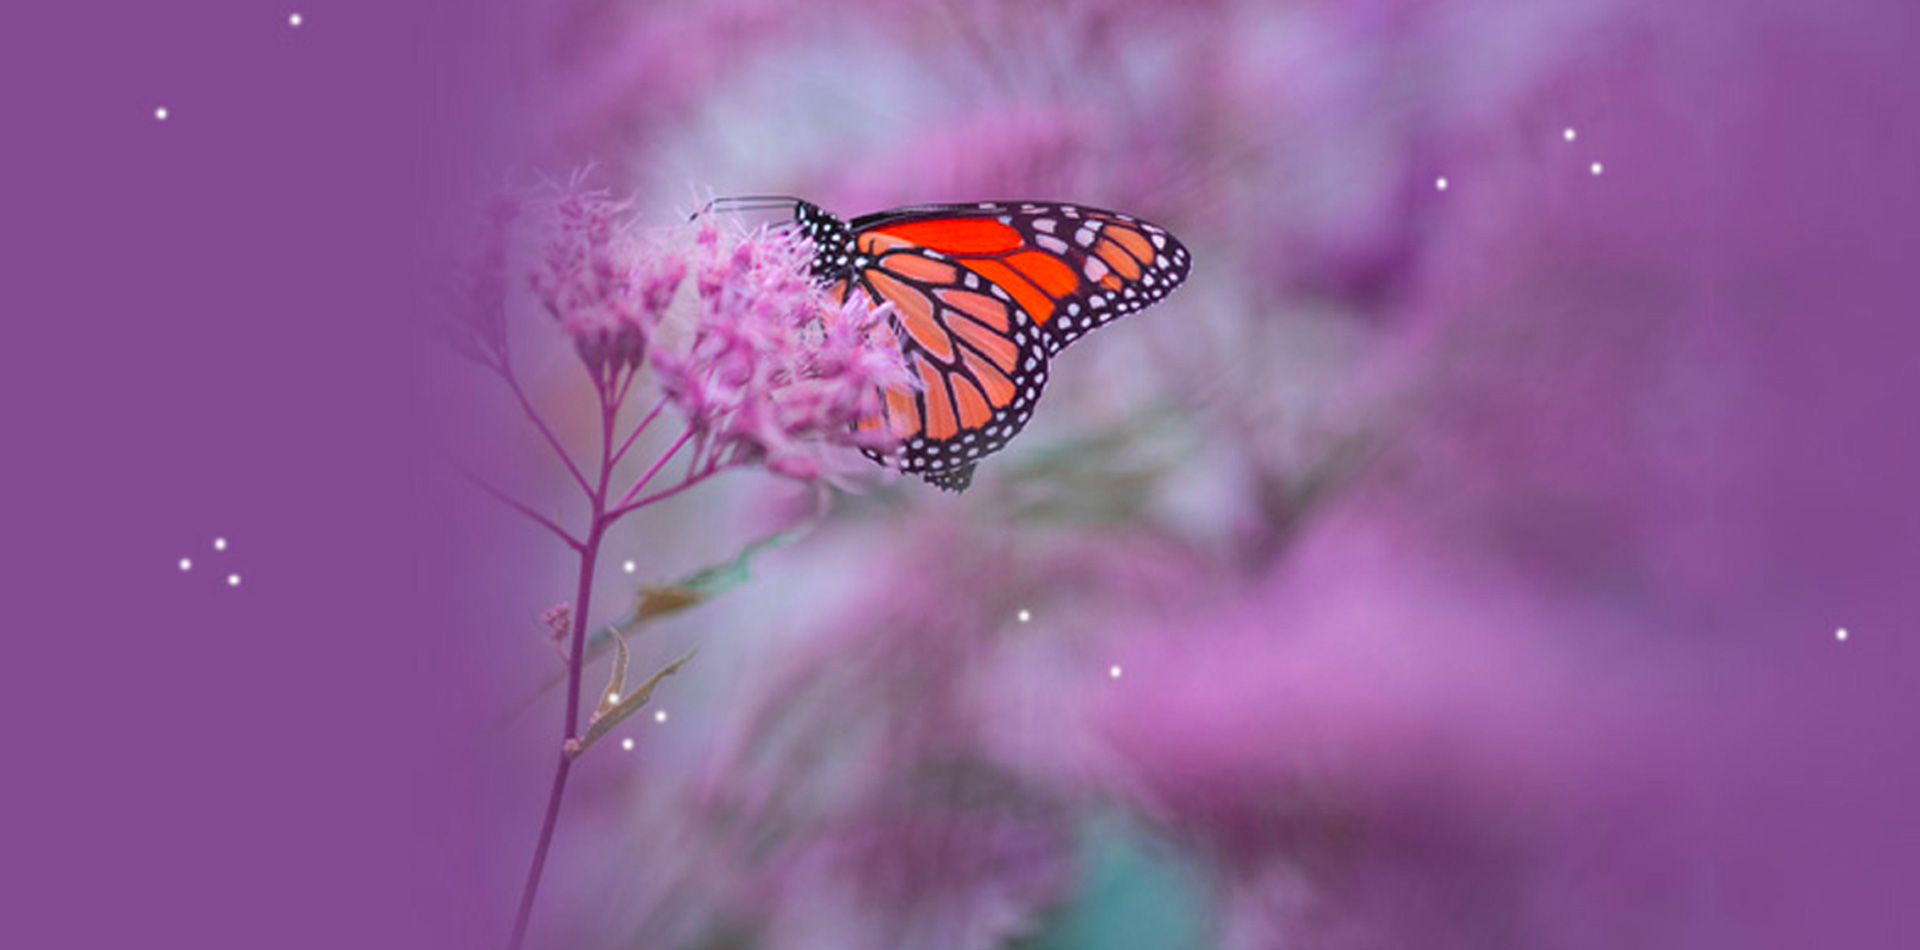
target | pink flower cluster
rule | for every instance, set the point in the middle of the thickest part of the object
(765, 367)
(606, 293)
(774, 370)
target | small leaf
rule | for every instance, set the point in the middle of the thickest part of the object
(617, 683)
(628, 705)
(668, 599)
(702, 585)
(656, 602)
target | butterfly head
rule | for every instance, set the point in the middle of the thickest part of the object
(833, 253)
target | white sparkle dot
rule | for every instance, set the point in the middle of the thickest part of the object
(233, 580)
(293, 19)
(1569, 134)
(186, 564)
(1597, 168)
(659, 715)
(219, 544)
(1025, 615)
(626, 744)
(1440, 183)
(629, 567)
(1114, 671)
(1840, 634)
(613, 697)
(160, 113)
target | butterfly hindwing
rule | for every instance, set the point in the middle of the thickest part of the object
(979, 359)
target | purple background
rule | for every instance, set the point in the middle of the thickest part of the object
(213, 322)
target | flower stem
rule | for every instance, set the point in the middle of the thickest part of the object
(521, 507)
(642, 427)
(540, 852)
(659, 496)
(576, 657)
(526, 405)
(620, 507)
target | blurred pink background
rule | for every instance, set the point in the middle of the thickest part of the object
(1444, 566)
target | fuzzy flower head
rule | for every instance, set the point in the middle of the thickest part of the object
(478, 330)
(595, 280)
(774, 370)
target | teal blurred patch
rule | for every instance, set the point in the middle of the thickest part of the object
(1134, 893)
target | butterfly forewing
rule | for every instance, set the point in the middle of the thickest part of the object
(1071, 267)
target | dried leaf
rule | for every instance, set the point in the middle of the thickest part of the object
(669, 599)
(628, 705)
(702, 585)
(617, 682)
(656, 602)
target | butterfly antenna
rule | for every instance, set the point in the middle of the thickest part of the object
(741, 203)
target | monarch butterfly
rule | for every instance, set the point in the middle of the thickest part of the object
(984, 294)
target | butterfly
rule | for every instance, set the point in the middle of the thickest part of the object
(984, 295)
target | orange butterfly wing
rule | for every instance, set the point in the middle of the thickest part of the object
(1071, 267)
(984, 295)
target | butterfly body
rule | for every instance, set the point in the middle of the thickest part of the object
(984, 295)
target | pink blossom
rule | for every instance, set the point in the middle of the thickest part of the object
(765, 368)
(558, 620)
(594, 279)
(479, 331)
(774, 371)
